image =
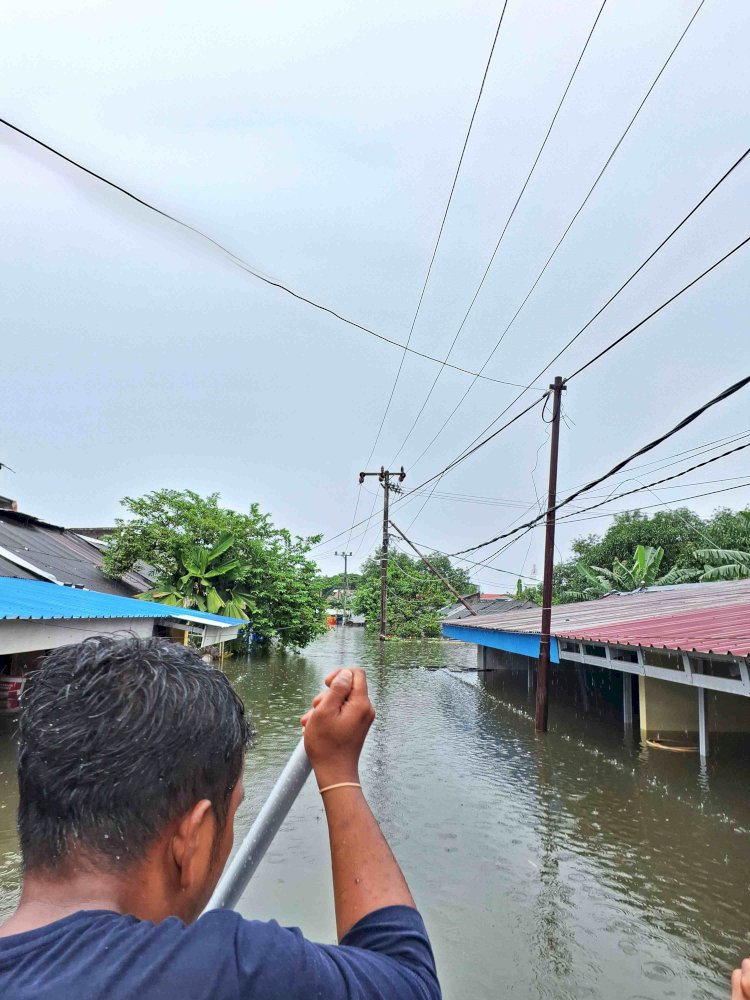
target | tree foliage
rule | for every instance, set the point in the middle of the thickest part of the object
(268, 575)
(208, 579)
(674, 531)
(642, 570)
(684, 536)
(330, 584)
(725, 564)
(415, 595)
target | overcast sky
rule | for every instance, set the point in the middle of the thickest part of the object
(319, 141)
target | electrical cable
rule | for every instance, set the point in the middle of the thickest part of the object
(556, 248)
(686, 421)
(470, 450)
(440, 232)
(432, 261)
(658, 482)
(650, 257)
(637, 326)
(635, 510)
(243, 264)
(662, 464)
(456, 461)
(610, 495)
(502, 234)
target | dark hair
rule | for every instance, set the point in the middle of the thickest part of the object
(117, 737)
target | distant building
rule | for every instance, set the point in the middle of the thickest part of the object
(483, 604)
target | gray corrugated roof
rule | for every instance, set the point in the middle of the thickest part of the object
(63, 554)
(8, 568)
(483, 607)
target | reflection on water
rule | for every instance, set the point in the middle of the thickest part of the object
(572, 865)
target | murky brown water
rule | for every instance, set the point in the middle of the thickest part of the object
(577, 865)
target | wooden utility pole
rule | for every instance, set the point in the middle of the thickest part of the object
(384, 476)
(346, 556)
(542, 701)
(432, 569)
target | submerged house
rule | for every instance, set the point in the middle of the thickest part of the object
(37, 616)
(53, 592)
(682, 653)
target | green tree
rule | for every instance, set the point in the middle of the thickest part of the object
(415, 595)
(674, 531)
(725, 564)
(728, 529)
(329, 584)
(641, 571)
(274, 577)
(207, 581)
(681, 533)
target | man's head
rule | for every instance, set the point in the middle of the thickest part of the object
(130, 760)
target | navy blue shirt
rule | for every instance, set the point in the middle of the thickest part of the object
(100, 955)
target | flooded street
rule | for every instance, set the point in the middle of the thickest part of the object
(578, 865)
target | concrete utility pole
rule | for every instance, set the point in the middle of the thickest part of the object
(384, 477)
(542, 704)
(436, 572)
(346, 556)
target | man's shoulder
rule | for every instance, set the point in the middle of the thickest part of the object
(121, 956)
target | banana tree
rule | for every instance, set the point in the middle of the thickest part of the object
(208, 580)
(725, 564)
(642, 572)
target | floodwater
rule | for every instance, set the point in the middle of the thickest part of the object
(575, 865)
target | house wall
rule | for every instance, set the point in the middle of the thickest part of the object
(499, 659)
(26, 637)
(671, 709)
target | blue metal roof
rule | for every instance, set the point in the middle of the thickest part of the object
(34, 600)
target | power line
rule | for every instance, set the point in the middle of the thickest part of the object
(637, 326)
(440, 233)
(609, 496)
(696, 450)
(470, 451)
(556, 248)
(481, 565)
(432, 261)
(240, 262)
(662, 503)
(504, 230)
(686, 421)
(667, 479)
(438, 475)
(650, 257)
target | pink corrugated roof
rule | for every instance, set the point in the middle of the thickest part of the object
(710, 617)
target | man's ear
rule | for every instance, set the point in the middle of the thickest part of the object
(193, 843)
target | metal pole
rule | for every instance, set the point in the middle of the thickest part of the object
(346, 582)
(702, 723)
(384, 477)
(258, 838)
(627, 700)
(346, 585)
(542, 704)
(384, 560)
(432, 569)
